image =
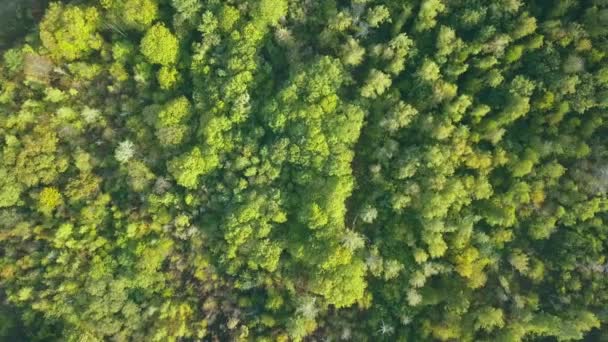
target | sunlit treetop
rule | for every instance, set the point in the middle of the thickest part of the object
(159, 45)
(69, 32)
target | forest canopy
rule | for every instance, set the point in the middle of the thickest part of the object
(289, 170)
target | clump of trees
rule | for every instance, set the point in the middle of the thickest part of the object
(281, 170)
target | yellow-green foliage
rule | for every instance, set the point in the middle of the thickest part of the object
(294, 170)
(159, 45)
(70, 32)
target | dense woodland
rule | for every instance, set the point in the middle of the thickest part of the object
(318, 170)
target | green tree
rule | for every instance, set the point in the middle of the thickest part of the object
(70, 32)
(11, 189)
(159, 45)
(171, 122)
(133, 14)
(49, 199)
(189, 166)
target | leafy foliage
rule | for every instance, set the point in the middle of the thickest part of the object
(70, 32)
(273, 170)
(159, 45)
